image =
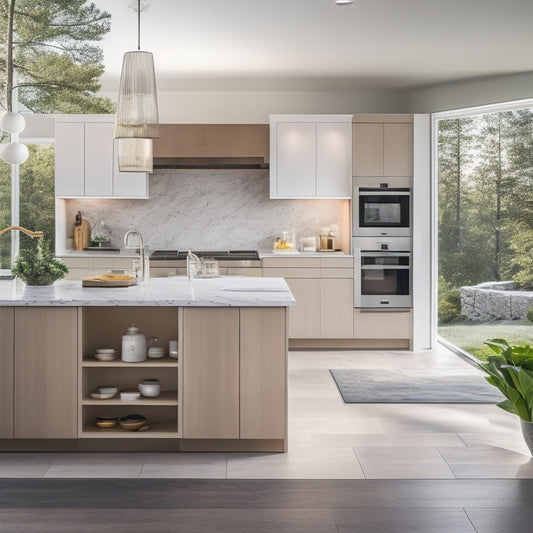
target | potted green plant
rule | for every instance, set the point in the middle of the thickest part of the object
(37, 266)
(511, 370)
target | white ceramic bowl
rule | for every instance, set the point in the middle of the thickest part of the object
(150, 388)
(156, 352)
(107, 390)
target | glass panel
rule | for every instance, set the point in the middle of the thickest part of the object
(485, 179)
(37, 202)
(5, 214)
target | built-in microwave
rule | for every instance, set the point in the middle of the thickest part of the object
(382, 276)
(381, 211)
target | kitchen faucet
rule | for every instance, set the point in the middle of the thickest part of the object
(138, 245)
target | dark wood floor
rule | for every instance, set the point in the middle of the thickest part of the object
(174, 505)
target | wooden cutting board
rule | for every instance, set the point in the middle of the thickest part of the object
(82, 235)
(109, 280)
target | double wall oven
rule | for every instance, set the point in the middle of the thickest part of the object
(381, 230)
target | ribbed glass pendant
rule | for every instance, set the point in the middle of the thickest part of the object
(137, 115)
(135, 155)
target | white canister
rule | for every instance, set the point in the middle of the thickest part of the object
(133, 346)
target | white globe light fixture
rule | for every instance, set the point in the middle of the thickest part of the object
(15, 153)
(13, 122)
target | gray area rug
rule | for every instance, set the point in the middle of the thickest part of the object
(413, 386)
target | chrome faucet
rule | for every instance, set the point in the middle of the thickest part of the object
(138, 245)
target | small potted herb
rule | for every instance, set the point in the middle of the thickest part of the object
(37, 266)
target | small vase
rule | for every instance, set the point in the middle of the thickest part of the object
(527, 432)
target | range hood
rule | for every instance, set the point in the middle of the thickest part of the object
(220, 146)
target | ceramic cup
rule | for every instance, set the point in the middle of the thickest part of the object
(173, 349)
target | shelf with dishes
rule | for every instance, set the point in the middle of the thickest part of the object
(145, 385)
(157, 422)
(165, 398)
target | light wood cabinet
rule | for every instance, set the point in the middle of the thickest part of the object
(381, 324)
(323, 290)
(86, 162)
(310, 156)
(7, 316)
(211, 373)
(46, 347)
(383, 146)
(336, 308)
(305, 316)
(263, 373)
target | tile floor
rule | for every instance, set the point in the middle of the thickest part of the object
(332, 440)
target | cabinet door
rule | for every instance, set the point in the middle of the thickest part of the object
(99, 159)
(128, 184)
(368, 149)
(382, 324)
(263, 373)
(397, 149)
(304, 317)
(69, 159)
(6, 372)
(46, 344)
(337, 309)
(211, 373)
(296, 160)
(333, 159)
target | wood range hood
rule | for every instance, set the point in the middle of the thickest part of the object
(218, 146)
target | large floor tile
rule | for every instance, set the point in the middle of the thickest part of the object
(185, 465)
(96, 465)
(382, 520)
(501, 520)
(27, 464)
(299, 463)
(403, 463)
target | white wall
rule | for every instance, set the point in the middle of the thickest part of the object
(473, 93)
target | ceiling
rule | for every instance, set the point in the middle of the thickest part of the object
(314, 44)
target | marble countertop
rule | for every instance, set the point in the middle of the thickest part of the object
(223, 291)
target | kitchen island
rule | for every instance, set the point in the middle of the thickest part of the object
(227, 390)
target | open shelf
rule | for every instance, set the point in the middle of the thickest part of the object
(165, 398)
(156, 430)
(90, 361)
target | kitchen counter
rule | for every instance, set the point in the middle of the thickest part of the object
(95, 254)
(262, 255)
(167, 292)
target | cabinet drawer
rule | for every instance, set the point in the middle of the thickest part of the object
(379, 324)
(245, 271)
(291, 272)
(337, 273)
(291, 262)
(75, 262)
(336, 262)
(163, 272)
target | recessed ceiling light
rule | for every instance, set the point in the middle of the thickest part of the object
(344, 2)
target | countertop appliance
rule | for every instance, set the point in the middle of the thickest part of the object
(225, 258)
(381, 210)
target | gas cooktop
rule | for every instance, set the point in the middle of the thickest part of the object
(218, 255)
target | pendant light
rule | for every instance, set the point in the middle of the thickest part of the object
(137, 118)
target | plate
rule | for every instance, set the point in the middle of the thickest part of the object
(106, 356)
(103, 395)
(104, 422)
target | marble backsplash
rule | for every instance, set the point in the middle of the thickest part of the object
(212, 209)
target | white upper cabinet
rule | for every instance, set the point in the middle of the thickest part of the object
(86, 162)
(310, 156)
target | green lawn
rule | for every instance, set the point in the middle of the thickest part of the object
(470, 336)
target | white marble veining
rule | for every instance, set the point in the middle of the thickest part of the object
(210, 209)
(223, 291)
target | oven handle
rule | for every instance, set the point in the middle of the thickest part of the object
(379, 192)
(385, 267)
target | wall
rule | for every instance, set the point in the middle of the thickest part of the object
(223, 209)
(472, 93)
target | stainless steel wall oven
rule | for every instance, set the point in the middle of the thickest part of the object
(382, 275)
(381, 211)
